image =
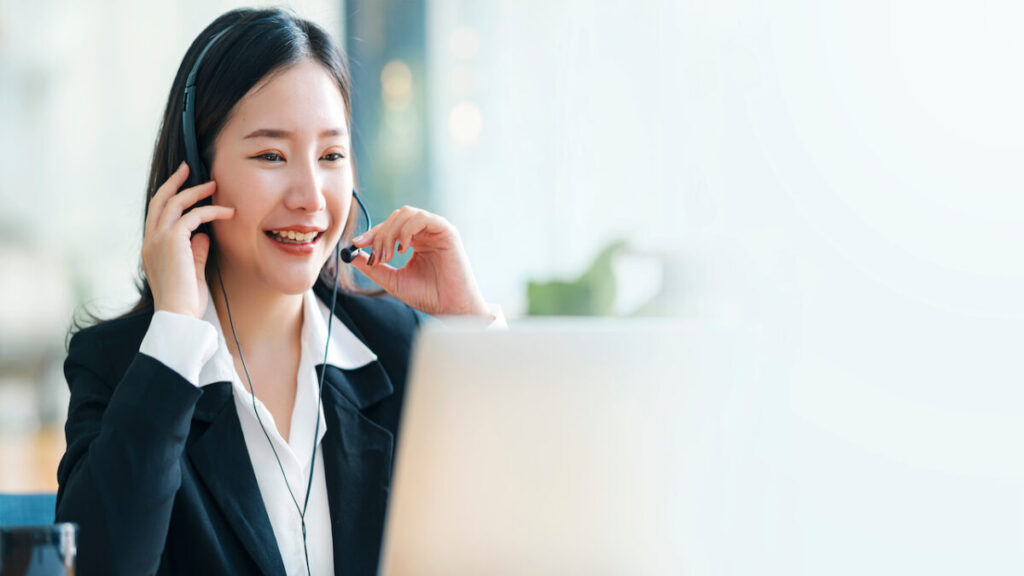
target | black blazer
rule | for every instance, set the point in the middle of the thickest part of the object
(157, 475)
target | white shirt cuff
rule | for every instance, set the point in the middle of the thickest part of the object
(182, 343)
(499, 322)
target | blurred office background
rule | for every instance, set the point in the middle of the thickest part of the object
(843, 176)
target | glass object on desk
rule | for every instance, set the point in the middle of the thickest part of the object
(38, 550)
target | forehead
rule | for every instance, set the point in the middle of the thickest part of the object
(303, 98)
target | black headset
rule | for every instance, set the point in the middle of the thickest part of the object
(198, 175)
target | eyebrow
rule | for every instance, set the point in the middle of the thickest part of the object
(275, 133)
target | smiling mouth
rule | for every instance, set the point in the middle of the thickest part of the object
(293, 237)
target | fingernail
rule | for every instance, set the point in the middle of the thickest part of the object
(358, 238)
(182, 165)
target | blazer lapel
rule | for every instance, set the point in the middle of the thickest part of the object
(357, 465)
(219, 457)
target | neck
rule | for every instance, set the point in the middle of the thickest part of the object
(264, 319)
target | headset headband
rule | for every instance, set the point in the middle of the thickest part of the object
(197, 172)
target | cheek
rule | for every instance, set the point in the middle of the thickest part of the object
(251, 198)
(244, 224)
(234, 232)
(340, 214)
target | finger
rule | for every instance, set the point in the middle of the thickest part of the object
(176, 206)
(364, 239)
(165, 191)
(401, 221)
(380, 236)
(200, 250)
(384, 239)
(378, 247)
(408, 231)
(171, 186)
(383, 276)
(428, 233)
(374, 242)
(198, 216)
(400, 234)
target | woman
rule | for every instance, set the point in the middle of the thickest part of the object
(242, 417)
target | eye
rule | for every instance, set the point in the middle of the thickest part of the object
(269, 156)
(334, 156)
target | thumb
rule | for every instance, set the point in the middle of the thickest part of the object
(200, 252)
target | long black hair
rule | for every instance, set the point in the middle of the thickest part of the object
(254, 44)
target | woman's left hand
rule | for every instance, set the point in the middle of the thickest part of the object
(437, 279)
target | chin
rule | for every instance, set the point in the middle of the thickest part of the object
(295, 284)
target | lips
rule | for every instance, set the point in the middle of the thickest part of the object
(295, 234)
(299, 229)
(291, 237)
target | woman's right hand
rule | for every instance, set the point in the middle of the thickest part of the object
(174, 261)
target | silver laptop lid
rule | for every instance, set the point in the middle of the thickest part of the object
(560, 447)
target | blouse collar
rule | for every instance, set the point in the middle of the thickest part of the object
(346, 351)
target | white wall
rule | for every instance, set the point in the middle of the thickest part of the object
(884, 130)
(844, 176)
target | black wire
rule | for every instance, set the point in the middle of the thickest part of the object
(319, 400)
(188, 128)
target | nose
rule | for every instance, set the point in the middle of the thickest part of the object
(306, 191)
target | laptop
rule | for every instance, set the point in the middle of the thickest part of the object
(561, 446)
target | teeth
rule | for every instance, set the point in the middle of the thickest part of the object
(293, 236)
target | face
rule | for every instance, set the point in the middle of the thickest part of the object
(282, 161)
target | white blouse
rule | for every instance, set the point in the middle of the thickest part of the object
(196, 349)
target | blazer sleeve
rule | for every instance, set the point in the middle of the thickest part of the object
(125, 436)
